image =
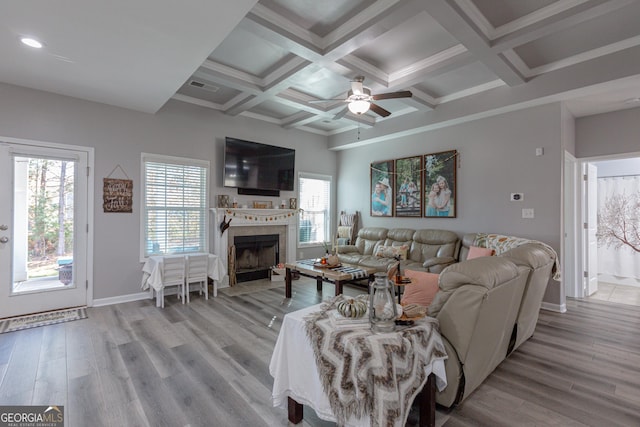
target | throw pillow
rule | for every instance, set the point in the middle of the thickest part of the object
(423, 291)
(392, 252)
(477, 252)
(344, 231)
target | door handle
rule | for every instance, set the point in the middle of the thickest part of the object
(4, 239)
(4, 227)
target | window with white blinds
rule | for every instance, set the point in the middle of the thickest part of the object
(315, 221)
(175, 205)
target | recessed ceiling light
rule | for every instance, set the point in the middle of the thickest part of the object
(31, 42)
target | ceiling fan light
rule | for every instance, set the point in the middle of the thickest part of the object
(359, 106)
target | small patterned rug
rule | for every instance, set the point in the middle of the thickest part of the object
(42, 319)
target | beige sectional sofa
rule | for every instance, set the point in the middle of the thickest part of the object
(486, 307)
(427, 250)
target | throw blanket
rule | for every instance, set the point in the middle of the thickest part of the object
(364, 373)
(500, 244)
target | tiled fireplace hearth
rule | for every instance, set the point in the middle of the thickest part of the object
(253, 222)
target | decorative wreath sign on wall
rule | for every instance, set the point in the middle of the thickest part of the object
(117, 194)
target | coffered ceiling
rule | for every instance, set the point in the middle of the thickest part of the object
(277, 60)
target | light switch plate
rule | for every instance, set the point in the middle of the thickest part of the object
(527, 213)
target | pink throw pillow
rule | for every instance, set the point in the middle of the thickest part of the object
(423, 290)
(477, 252)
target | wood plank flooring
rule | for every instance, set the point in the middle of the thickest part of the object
(206, 364)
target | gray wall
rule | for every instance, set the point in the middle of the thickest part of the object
(497, 157)
(119, 136)
(608, 134)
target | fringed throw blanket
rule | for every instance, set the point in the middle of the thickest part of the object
(500, 244)
(364, 373)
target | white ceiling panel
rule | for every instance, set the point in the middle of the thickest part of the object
(417, 38)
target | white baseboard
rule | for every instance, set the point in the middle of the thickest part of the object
(558, 308)
(120, 299)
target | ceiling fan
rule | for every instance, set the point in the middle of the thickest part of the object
(361, 100)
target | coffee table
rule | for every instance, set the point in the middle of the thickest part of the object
(338, 275)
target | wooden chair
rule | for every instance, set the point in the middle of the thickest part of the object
(197, 267)
(173, 268)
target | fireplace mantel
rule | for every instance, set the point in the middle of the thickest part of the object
(283, 219)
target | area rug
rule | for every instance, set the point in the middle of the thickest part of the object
(245, 288)
(42, 319)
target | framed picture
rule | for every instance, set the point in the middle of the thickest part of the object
(440, 184)
(223, 201)
(382, 188)
(408, 172)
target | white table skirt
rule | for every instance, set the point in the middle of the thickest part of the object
(152, 271)
(295, 374)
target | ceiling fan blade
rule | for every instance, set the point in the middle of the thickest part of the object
(391, 95)
(341, 113)
(379, 110)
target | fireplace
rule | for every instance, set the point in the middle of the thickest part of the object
(255, 255)
(253, 222)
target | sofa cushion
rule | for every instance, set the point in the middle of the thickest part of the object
(477, 252)
(486, 272)
(423, 291)
(434, 243)
(380, 264)
(369, 238)
(399, 236)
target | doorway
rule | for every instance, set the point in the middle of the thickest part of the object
(618, 269)
(44, 227)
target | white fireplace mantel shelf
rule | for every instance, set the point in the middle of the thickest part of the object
(241, 217)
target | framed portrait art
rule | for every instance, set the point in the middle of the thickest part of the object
(408, 172)
(440, 184)
(382, 188)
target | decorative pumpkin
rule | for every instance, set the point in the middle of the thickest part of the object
(333, 260)
(352, 307)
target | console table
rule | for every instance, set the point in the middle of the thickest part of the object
(297, 381)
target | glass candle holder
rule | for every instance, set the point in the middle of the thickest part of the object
(382, 304)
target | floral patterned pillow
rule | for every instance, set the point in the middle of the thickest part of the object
(392, 252)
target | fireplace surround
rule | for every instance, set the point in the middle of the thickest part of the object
(253, 222)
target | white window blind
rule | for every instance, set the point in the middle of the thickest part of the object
(175, 205)
(315, 197)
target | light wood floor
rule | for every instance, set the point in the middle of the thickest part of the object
(206, 364)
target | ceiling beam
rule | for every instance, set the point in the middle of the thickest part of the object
(453, 19)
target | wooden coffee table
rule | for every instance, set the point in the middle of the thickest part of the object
(322, 274)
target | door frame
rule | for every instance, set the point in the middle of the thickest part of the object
(579, 261)
(571, 242)
(90, 152)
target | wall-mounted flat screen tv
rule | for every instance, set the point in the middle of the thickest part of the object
(252, 165)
